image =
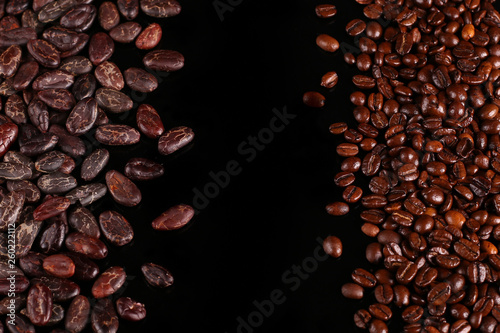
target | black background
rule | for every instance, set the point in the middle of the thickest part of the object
(261, 56)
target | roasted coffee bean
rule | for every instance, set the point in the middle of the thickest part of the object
(125, 32)
(337, 208)
(157, 276)
(122, 189)
(109, 282)
(116, 228)
(352, 194)
(313, 99)
(175, 139)
(352, 291)
(77, 314)
(103, 317)
(149, 121)
(140, 80)
(325, 11)
(174, 218)
(364, 278)
(129, 309)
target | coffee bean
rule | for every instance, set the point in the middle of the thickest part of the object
(352, 291)
(327, 43)
(313, 99)
(337, 208)
(326, 11)
(332, 245)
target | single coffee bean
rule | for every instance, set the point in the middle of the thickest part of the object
(332, 245)
(352, 291)
(330, 80)
(325, 11)
(337, 208)
(313, 99)
(327, 43)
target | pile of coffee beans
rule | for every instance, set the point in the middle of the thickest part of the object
(422, 163)
(63, 100)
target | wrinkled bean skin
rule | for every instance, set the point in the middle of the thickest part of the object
(56, 183)
(149, 37)
(77, 315)
(58, 99)
(86, 245)
(10, 208)
(76, 65)
(175, 139)
(38, 113)
(108, 15)
(44, 53)
(19, 36)
(109, 75)
(69, 144)
(59, 265)
(129, 309)
(160, 8)
(94, 163)
(157, 276)
(112, 100)
(8, 135)
(109, 282)
(56, 79)
(103, 317)
(122, 189)
(116, 228)
(139, 168)
(149, 121)
(82, 220)
(128, 8)
(101, 48)
(39, 304)
(85, 268)
(174, 218)
(84, 87)
(82, 117)
(117, 135)
(25, 75)
(14, 171)
(87, 194)
(164, 60)
(52, 237)
(125, 32)
(50, 208)
(10, 60)
(140, 80)
(79, 18)
(22, 325)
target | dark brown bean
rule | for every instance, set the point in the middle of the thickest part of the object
(117, 135)
(157, 276)
(116, 228)
(164, 60)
